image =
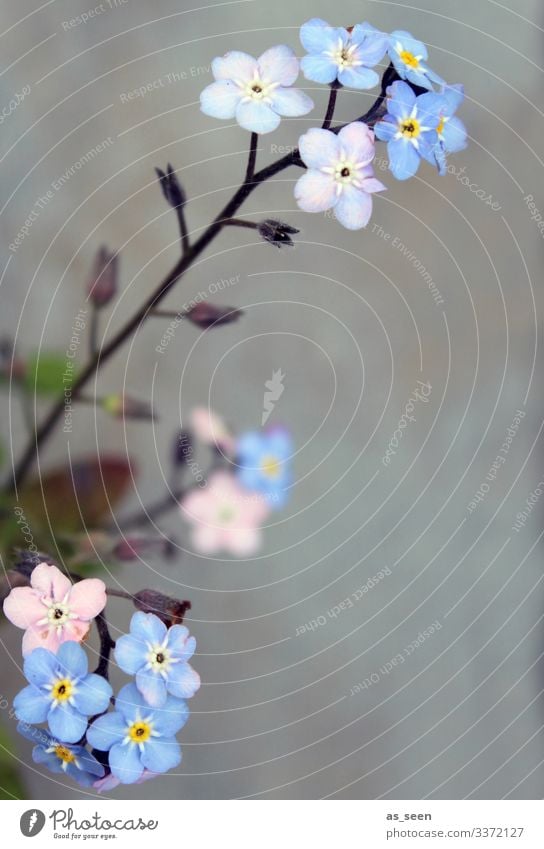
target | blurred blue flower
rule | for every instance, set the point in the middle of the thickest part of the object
(61, 692)
(74, 761)
(263, 464)
(139, 737)
(409, 59)
(451, 132)
(409, 128)
(158, 657)
(335, 53)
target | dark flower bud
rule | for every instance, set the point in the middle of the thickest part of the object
(133, 547)
(9, 581)
(103, 283)
(207, 315)
(182, 448)
(170, 610)
(276, 232)
(26, 561)
(171, 187)
(125, 407)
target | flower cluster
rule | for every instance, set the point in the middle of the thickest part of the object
(228, 511)
(419, 122)
(139, 734)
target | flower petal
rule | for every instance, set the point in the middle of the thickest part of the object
(106, 731)
(359, 78)
(234, 65)
(454, 96)
(72, 659)
(23, 607)
(220, 99)
(40, 666)
(183, 681)
(279, 65)
(243, 541)
(88, 598)
(152, 687)
(454, 135)
(291, 102)
(354, 208)
(372, 43)
(75, 630)
(206, 539)
(130, 653)
(319, 69)
(125, 762)
(66, 723)
(44, 637)
(129, 702)
(315, 191)
(318, 36)
(371, 185)
(319, 148)
(256, 116)
(31, 705)
(403, 159)
(407, 42)
(180, 643)
(88, 762)
(385, 130)
(148, 627)
(50, 581)
(357, 142)
(93, 695)
(161, 755)
(401, 99)
(172, 716)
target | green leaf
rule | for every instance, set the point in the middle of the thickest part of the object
(48, 373)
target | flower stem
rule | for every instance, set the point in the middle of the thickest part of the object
(250, 171)
(106, 645)
(184, 233)
(332, 103)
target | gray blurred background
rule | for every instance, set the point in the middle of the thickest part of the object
(353, 324)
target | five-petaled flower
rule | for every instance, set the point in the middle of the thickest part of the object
(409, 56)
(451, 132)
(263, 463)
(255, 91)
(61, 692)
(335, 53)
(158, 657)
(225, 516)
(58, 757)
(340, 174)
(52, 609)
(409, 128)
(139, 737)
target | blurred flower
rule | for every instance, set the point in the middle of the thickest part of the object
(451, 132)
(210, 429)
(255, 91)
(409, 128)
(207, 315)
(139, 737)
(346, 55)
(158, 657)
(125, 407)
(110, 782)
(409, 59)
(225, 516)
(182, 448)
(170, 610)
(103, 283)
(339, 174)
(276, 232)
(263, 464)
(171, 187)
(74, 761)
(53, 609)
(61, 691)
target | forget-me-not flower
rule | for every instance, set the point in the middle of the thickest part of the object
(409, 58)
(74, 761)
(346, 55)
(264, 463)
(451, 132)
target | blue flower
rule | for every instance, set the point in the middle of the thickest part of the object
(139, 737)
(158, 657)
(263, 464)
(58, 757)
(255, 91)
(409, 128)
(61, 692)
(409, 59)
(451, 132)
(335, 53)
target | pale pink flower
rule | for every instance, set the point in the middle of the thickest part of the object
(225, 516)
(210, 429)
(53, 610)
(110, 782)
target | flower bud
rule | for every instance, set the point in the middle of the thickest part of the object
(171, 187)
(103, 283)
(124, 407)
(276, 232)
(182, 449)
(170, 610)
(207, 315)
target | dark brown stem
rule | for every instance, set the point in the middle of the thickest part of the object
(155, 510)
(332, 103)
(93, 330)
(184, 233)
(250, 170)
(106, 646)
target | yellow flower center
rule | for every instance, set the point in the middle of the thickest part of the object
(270, 467)
(410, 128)
(139, 732)
(440, 128)
(62, 690)
(64, 754)
(409, 59)
(257, 88)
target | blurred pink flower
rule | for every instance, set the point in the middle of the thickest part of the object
(225, 516)
(53, 610)
(210, 429)
(110, 782)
